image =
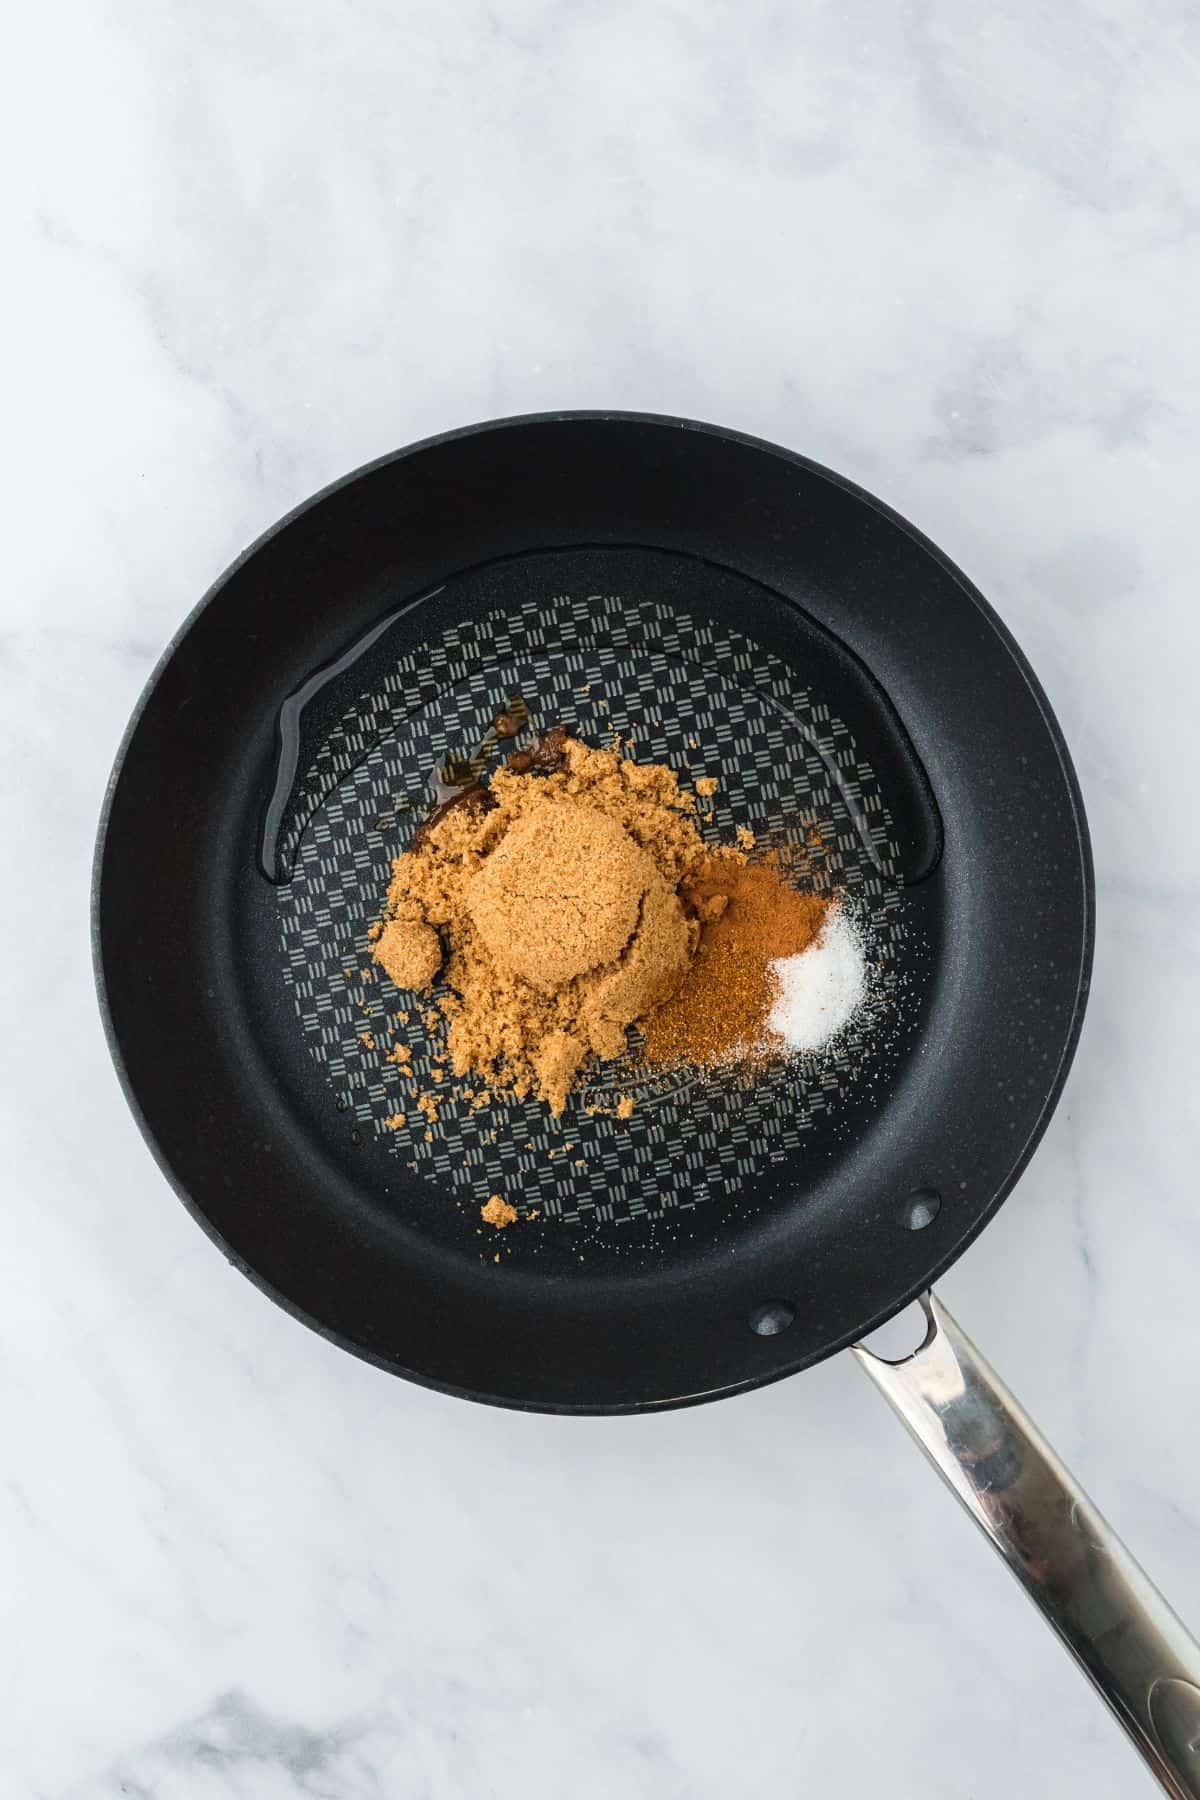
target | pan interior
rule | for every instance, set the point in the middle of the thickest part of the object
(686, 664)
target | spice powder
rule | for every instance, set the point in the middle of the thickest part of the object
(574, 898)
(719, 1012)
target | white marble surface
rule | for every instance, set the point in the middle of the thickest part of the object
(950, 249)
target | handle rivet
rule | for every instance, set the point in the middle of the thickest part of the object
(771, 1319)
(921, 1208)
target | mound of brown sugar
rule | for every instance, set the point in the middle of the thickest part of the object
(569, 905)
(562, 894)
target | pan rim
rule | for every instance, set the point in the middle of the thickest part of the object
(968, 591)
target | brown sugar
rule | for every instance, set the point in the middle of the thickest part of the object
(566, 909)
(497, 1211)
(561, 894)
(625, 1106)
(409, 952)
(718, 1013)
(556, 1064)
(706, 786)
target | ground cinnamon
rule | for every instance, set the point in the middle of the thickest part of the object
(718, 1013)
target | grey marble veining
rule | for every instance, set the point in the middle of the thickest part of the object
(951, 250)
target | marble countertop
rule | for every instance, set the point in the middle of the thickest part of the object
(951, 250)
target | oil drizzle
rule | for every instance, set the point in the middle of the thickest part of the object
(287, 756)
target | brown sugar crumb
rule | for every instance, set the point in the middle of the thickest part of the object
(556, 1064)
(401, 1055)
(497, 1211)
(429, 1137)
(745, 837)
(706, 786)
(374, 929)
(427, 1104)
(396, 1121)
(708, 907)
(409, 951)
(625, 1106)
(403, 1017)
(718, 1014)
(366, 1040)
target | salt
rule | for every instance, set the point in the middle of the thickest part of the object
(821, 989)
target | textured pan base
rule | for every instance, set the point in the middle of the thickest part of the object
(688, 693)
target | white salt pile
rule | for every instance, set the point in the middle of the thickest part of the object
(821, 989)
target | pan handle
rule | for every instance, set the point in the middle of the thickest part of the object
(1070, 1562)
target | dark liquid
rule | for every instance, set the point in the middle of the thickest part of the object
(455, 781)
(276, 868)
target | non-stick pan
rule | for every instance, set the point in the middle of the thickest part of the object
(735, 610)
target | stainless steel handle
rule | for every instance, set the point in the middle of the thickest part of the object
(1068, 1559)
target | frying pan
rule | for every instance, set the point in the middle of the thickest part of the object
(732, 607)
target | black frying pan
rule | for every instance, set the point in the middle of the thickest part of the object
(700, 589)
